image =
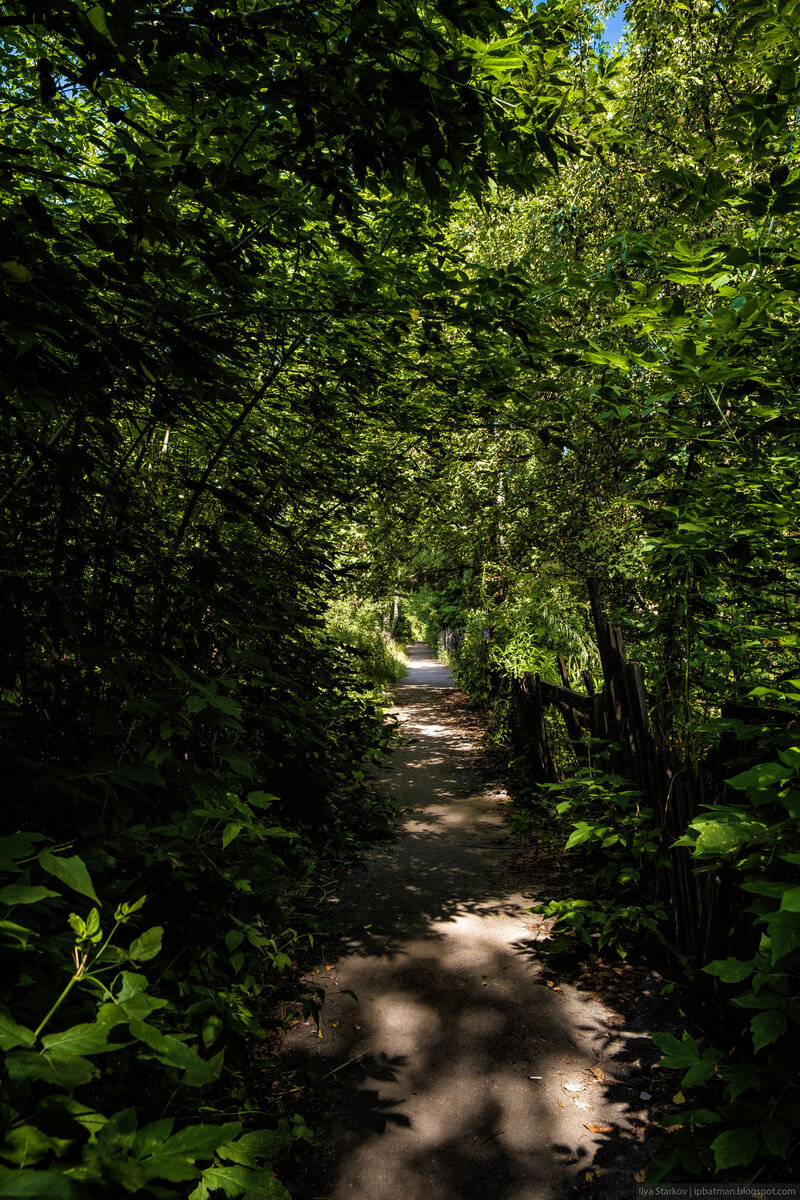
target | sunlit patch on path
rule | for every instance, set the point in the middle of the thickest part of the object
(457, 1074)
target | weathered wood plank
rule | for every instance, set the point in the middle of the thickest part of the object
(637, 690)
(553, 694)
(597, 616)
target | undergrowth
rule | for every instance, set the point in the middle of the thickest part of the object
(157, 894)
(737, 1112)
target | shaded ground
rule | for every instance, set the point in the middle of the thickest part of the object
(457, 1067)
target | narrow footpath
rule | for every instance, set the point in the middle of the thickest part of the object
(455, 1073)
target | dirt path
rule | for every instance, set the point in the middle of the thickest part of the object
(472, 1080)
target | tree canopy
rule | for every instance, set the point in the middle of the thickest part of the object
(320, 320)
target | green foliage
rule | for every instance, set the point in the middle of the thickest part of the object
(754, 1093)
(433, 611)
(72, 1055)
(499, 641)
(602, 924)
(224, 865)
(218, 226)
(625, 833)
(356, 627)
(615, 834)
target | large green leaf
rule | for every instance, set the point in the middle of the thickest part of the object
(735, 1148)
(25, 1145)
(17, 893)
(173, 1053)
(202, 1141)
(250, 1147)
(18, 846)
(716, 837)
(71, 871)
(790, 900)
(767, 1027)
(88, 1038)
(232, 830)
(765, 775)
(676, 1054)
(147, 945)
(241, 1183)
(39, 1185)
(11, 1033)
(784, 933)
(66, 1072)
(730, 970)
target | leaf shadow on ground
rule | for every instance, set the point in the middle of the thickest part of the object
(454, 1072)
(464, 1091)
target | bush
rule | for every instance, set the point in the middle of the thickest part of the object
(354, 627)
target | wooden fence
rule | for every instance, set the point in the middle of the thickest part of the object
(707, 909)
(451, 640)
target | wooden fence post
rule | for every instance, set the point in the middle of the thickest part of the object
(707, 911)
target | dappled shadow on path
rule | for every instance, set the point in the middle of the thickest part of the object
(451, 1070)
(460, 1074)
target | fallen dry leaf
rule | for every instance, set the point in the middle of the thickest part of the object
(640, 1176)
(598, 1072)
(679, 1098)
(576, 1100)
(561, 1104)
(329, 966)
(593, 1127)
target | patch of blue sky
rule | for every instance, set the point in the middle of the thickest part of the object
(614, 31)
